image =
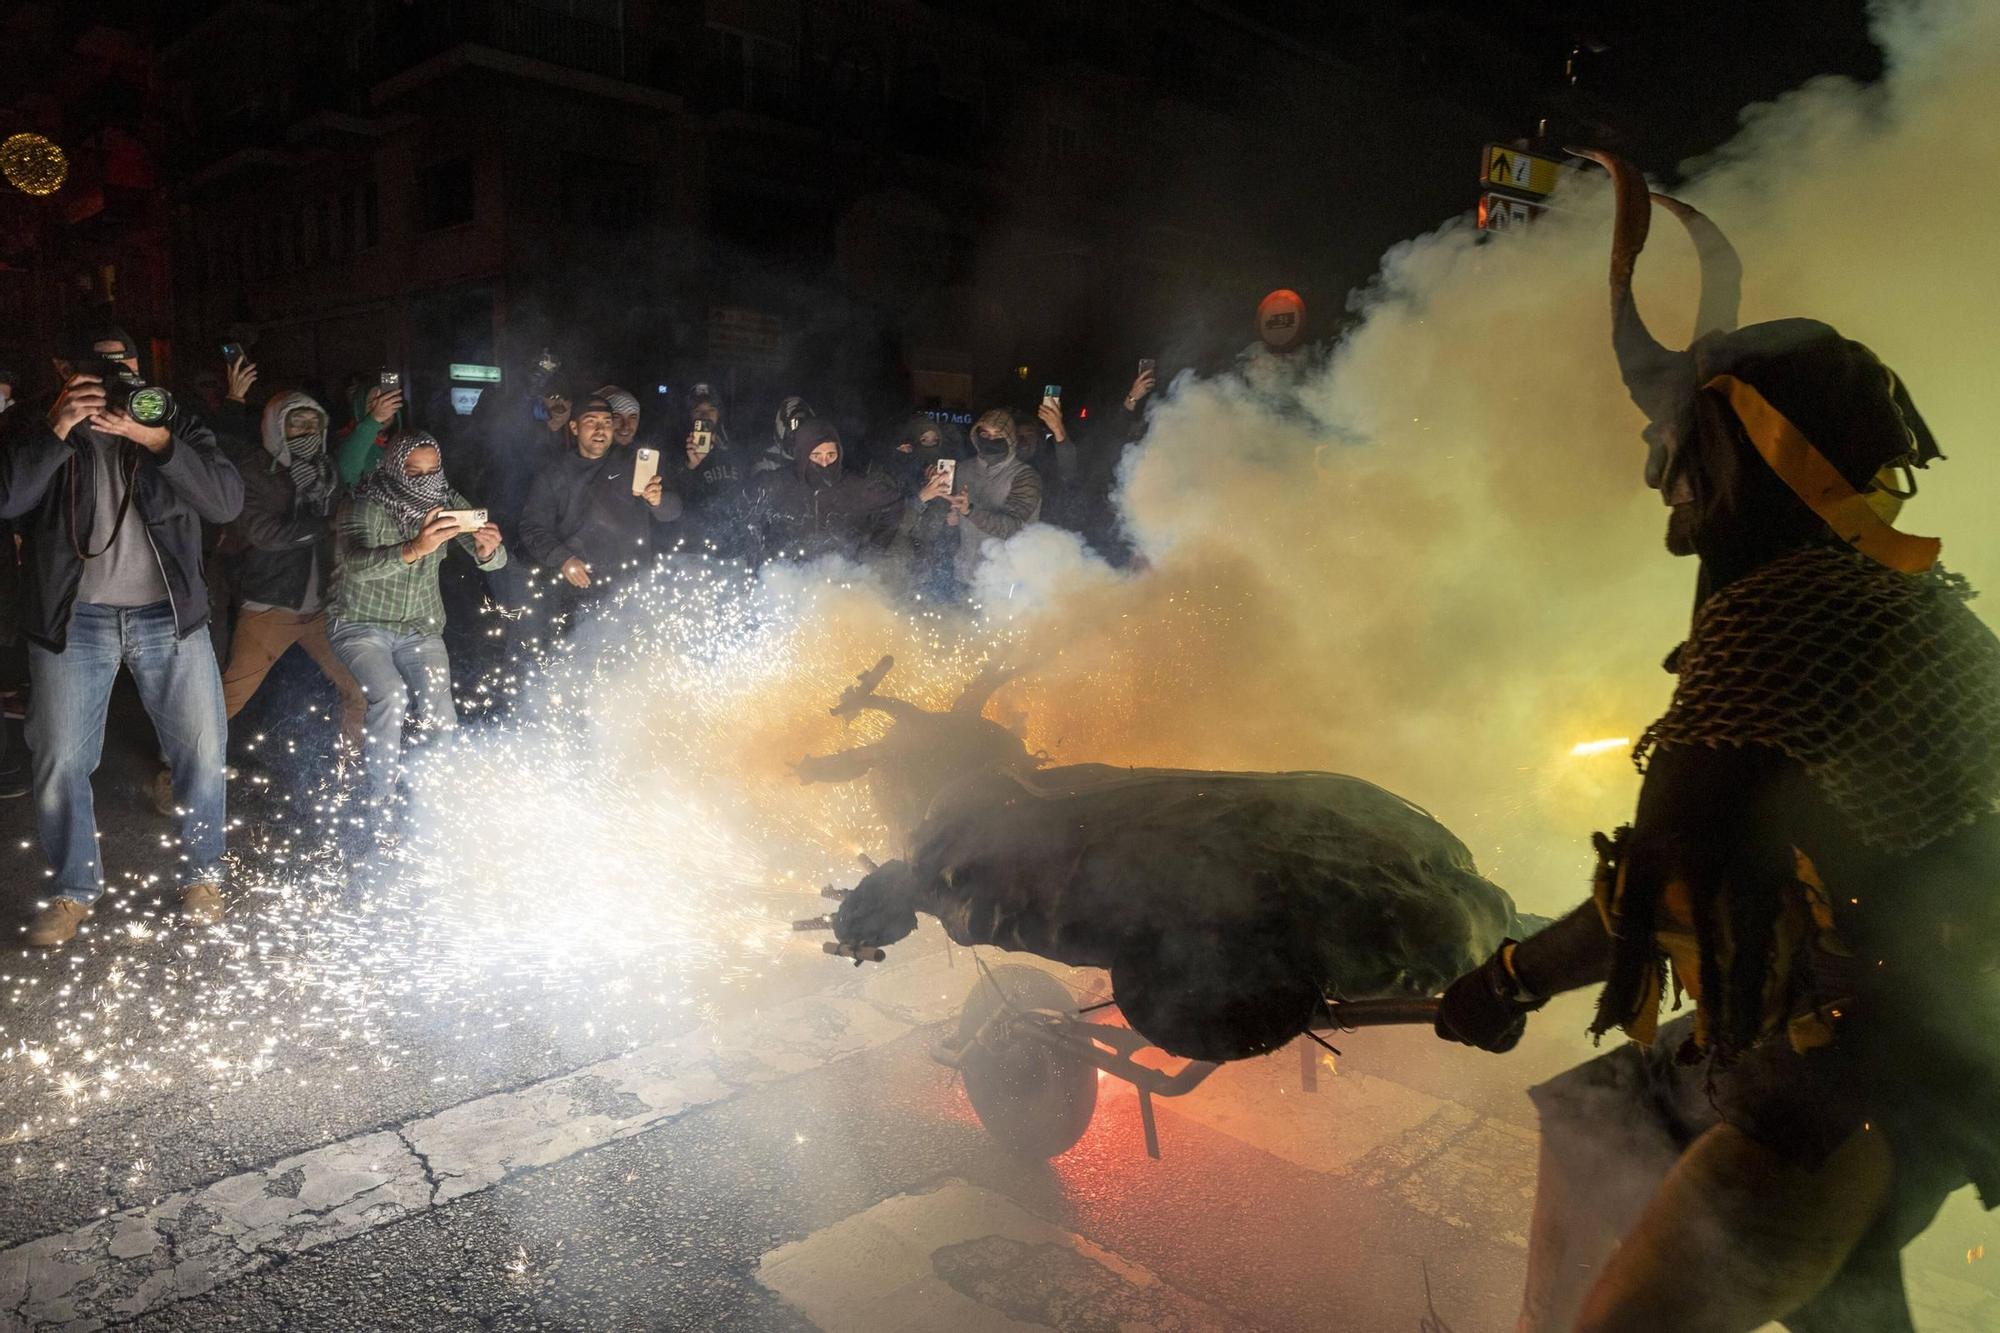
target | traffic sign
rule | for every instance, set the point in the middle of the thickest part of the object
(1512, 169)
(1498, 212)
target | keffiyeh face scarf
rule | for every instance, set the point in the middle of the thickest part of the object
(408, 499)
(307, 460)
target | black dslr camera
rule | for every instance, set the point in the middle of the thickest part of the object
(127, 391)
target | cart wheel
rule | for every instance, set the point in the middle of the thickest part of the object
(1034, 1100)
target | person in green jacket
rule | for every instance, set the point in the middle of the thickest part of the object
(360, 449)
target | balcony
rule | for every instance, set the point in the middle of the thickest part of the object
(587, 35)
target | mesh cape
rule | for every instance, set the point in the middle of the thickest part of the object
(1882, 685)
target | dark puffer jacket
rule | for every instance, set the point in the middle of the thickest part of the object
(583, 508)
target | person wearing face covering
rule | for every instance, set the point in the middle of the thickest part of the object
(911, 464)
(711, 476)
(817, 507)
(284, 560)
(385, 610)
(997, 493)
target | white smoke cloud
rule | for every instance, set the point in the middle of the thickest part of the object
(1438, 568)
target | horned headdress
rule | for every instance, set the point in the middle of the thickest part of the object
(1836, 425)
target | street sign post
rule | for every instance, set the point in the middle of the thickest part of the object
(1523, 173)
(1498, 212)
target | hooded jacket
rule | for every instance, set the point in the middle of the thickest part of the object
(1006, 496)
(714, 494)
(285, 545)
(799, 514)
(173, 492)
(583, 509)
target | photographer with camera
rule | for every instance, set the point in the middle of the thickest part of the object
(115, 484)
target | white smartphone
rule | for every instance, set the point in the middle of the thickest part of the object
(469, 520)
(644, 468)
(948, 469)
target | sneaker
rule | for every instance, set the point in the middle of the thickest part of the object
(56, 923)
(163, 793)
(201, 902)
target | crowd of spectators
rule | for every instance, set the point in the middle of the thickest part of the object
(197, 551)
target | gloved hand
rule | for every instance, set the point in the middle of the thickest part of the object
(1486, 1007)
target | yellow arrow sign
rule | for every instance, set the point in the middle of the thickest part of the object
(1513, 169)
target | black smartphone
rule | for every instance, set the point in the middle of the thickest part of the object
(389, 379)
(231, 353)
(1146, 363)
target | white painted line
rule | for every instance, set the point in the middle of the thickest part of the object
(120, 1266)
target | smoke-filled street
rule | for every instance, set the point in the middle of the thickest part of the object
(873, 665)
(789, 1157)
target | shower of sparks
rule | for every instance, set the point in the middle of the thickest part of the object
(1584, 749)
(620, 854)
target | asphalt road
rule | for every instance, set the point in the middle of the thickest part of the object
(318, 1117)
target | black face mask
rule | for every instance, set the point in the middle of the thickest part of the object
(822, 476)
(990, 448)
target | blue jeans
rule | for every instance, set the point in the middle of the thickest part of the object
(182, 691)
(395, 670)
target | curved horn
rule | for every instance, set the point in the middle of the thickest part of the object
(1721, 268)
(1653, 373)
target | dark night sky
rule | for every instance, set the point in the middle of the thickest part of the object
(1672, 78)
(1676, 73)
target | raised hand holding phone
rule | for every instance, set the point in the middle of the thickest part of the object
(645, 471)
(438, 529)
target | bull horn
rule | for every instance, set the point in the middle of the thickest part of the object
(1649, 368)
(1721, 268)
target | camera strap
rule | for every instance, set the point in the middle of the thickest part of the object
(128, 463)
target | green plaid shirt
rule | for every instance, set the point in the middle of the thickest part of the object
(372, 586)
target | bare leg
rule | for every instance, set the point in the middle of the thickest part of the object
(1737, 1237)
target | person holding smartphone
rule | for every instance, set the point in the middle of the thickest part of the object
(375, 401)
(710, 475)
(922, 463)
(996, 493)
(589, 519)
(385, 611)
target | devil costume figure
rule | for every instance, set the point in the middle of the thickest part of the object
(1811, 862)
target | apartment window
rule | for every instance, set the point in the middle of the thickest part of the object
(444, 193)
